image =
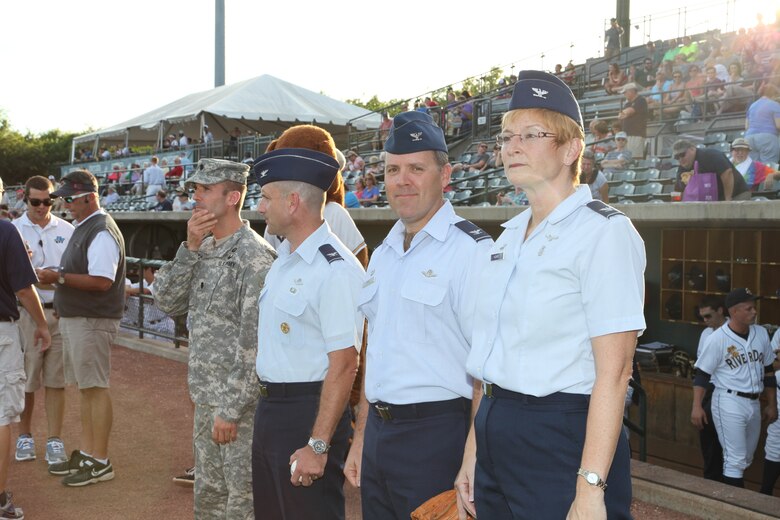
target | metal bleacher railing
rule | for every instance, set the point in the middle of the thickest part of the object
(143, 316)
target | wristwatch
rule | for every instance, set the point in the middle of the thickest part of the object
(318, 445)
(592, 478)
(61, 276)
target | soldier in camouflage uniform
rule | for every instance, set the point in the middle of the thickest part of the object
(216, 276)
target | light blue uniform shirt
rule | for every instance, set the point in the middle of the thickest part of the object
(579, 275)
(419, 304)
(301, 307)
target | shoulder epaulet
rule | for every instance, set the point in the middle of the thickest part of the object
(472, 230)
(330, 253)
(602, 209)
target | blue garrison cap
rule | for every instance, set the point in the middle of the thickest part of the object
(414, 132)
(296, 164)
(537, 89)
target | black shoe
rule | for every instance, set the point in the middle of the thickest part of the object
(90, 472)
(187, 479)
(68, 467)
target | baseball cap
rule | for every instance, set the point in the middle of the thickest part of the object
(538, 89)
(415, 132)
(77, 181)
(629, 86)
(621, 135)
(740, 142)
(740, 295)
(213, 171)
(296, 164)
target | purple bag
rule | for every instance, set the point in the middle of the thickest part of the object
(702, 187)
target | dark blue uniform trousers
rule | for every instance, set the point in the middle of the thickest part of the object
(282, 426)
(528, 453)
(711, 450)
(407, 461)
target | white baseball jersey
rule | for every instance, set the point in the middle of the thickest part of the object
(734, 363)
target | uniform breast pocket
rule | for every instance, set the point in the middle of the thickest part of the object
(422, 309)
(288, 313)
(367, 302)
(221, 293)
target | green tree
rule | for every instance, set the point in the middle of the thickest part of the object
(392, 106)
(25, 155)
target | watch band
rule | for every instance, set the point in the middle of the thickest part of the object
(318, 445)
(61, 275)
(592, 478)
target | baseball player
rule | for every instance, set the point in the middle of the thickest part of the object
(772, 447)
(737, 358)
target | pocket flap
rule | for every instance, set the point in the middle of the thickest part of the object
(424, 292)
(292, 305)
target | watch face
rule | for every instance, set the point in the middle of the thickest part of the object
(592, 478)
(319, 447)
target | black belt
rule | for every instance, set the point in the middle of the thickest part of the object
(290, 389)
(7, 318)
(744, 394)
(388, 411)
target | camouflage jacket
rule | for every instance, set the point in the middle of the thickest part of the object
(219, 286)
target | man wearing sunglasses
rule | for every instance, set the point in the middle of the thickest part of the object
(712, 311)
(46, 237)
(731, 185)
(89, 299)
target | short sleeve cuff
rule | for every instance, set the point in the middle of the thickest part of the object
(621, 324)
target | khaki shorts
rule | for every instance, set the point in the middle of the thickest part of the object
(86, 350)
(636, 145)
(42, 368)
(11, 374)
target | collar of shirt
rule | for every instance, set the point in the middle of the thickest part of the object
(309, 248)
(24, 220)
(97, 212)
(744, 165)
(437, 228)
(580, 197)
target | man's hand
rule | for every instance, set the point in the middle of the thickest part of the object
(770, 413)
(698, 417)
(42, 334)
(308, 468)
(47, 276)
(354, 461)
(200, 224)
(224, 432)
(464, 487)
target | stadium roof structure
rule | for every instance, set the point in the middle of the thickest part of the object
(264, 104)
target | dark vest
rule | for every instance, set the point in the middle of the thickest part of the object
(70, 302)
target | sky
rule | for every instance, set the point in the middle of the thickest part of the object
(79, 64)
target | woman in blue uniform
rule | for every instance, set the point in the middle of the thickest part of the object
(559, 308)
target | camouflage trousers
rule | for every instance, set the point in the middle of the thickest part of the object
(223, 473)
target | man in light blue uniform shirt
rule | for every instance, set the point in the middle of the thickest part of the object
(307, 345)
(415, 410)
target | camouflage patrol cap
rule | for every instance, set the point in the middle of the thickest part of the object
(213, 171)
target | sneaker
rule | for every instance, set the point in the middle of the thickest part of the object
(68, 467)
(55, 451)
(187, 479)
(25, 447)
(8, 511)
(90, 472)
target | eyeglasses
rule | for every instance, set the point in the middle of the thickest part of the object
(706, 316)
(680, 155)
(37, 202)
(505, 138)
(71, 198)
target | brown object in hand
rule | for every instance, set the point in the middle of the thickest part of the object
(441, 507)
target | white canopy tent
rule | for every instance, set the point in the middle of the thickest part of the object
(264, 104)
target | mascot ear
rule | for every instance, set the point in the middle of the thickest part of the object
(272, 146)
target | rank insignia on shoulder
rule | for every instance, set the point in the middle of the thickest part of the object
(330, 253)
(472, 230)
(603, 209)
